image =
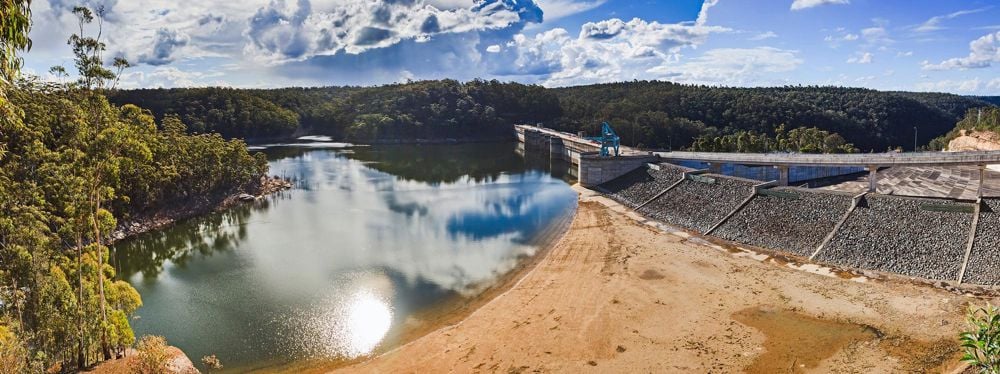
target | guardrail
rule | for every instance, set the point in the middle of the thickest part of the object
(853, 159)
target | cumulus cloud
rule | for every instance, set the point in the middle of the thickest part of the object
(169, 76)
(982, 53)
(603, 51)
(285, 30)
(806, 4)
(876, 35)
(167, 41)
(863, 58)
(733, 66)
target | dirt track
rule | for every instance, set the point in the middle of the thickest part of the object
(618, 296)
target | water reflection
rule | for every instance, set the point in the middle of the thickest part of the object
(344, 259)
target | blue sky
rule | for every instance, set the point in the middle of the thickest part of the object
(916, 45)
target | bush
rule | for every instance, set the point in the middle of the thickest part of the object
(981, 344)
(152, 356)
(212, 362)
(12, 354)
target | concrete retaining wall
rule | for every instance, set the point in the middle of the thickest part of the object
(595, 170)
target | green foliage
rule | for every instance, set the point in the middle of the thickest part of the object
(869, 119)
(981, 344)
(648, 114)
(800, 140)
(15, 22)
(438, 110)
(77, 165)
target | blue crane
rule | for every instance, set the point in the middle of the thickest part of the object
(608, 140)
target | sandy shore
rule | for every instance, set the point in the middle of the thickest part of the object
(615, 295)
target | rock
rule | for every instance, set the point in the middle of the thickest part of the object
(642, 184)
(984, 261)
(797, 223)
(895, 234)
(246, 197)
(698, 205)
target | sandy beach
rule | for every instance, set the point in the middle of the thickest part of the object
(617, 295)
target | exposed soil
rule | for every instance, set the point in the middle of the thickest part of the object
(616, 295)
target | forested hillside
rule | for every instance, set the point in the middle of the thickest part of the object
(444, 109)
(72, 166)
(647, 113)
(871, 120)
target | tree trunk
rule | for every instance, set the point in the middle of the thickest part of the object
(79, 303)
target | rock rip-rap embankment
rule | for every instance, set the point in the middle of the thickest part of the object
(700, 204)
(909, 236)
(984, 260)
(642, 184)
(790, 219)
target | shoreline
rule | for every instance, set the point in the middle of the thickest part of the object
(164, 218)
(436, 351)
(449, 312)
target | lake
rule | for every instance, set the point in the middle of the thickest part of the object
(370, 240)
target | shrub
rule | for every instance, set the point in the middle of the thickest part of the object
(152, 356)
(212, 362)
(981, 345)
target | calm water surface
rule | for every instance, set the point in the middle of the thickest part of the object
(335, 267)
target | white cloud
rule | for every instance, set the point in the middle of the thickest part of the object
(169, 76)
(703, 13)
(876, 35)
(556, 9)
(493, 49)
(284, 31)
(733, 66)
(994, 84)
(764, 35)
(963, 86)
(904, 54)
(934, 23)
(864, 58)
(806, 4)
(836, 40)
(608, 50)
(982, 52)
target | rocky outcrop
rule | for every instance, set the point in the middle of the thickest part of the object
(975, 141)
(159, 219)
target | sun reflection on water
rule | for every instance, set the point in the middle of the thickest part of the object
(366, 321)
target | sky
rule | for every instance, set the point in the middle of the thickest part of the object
(912, 45)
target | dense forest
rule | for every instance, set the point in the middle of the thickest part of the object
(443, 109)
(645, 113)
(72, 166)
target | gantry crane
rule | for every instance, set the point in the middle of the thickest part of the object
(608, 139)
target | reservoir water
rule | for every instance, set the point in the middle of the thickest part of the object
(369, 240)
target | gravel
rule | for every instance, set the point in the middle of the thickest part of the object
(697, 205)
(642, 184)
(796, 223)
(894, 234)
(984, 261)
